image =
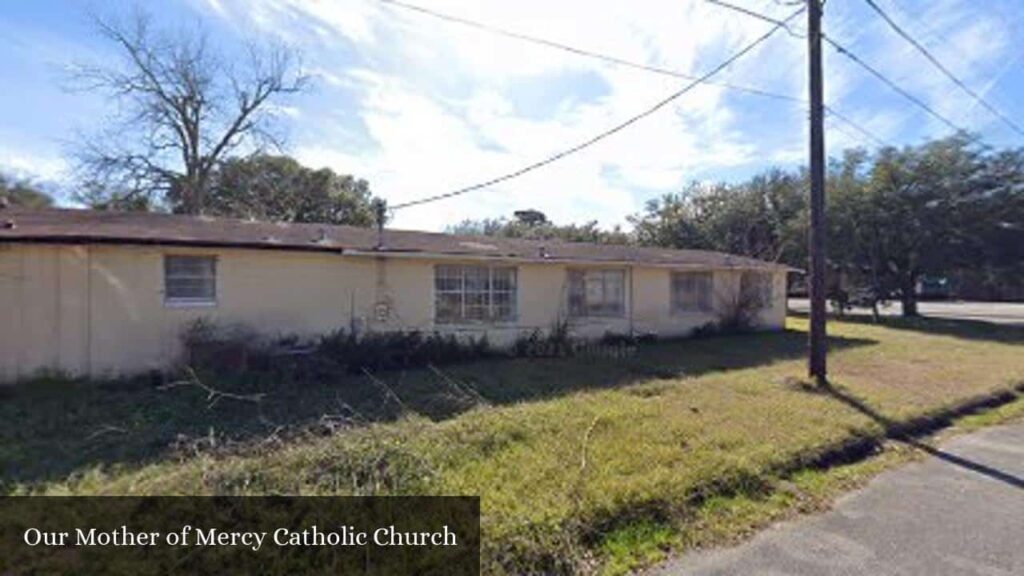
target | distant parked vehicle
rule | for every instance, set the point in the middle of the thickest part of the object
(933, 288)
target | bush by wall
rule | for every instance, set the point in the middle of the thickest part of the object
(218, 349)
(229, 349)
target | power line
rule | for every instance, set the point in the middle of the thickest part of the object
(579, 51)
(854, 58)
(891, 84)
(611, 131)
(759, 16)
(839, 127)
(626, 63)
(931, 58)
(836, 115)
(630, 64)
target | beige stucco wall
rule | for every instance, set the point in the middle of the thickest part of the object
(99, 309)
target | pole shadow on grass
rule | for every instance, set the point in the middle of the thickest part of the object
(908, 432)
(52, 427)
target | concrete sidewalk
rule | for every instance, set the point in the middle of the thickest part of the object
(961, 511)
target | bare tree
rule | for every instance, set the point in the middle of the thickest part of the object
(180, 109)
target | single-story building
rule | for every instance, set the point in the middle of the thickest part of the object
(93, 293)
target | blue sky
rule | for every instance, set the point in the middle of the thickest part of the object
(419, 106)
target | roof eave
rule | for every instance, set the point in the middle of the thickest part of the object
(376, 253)
(425, 255)
(182, 242)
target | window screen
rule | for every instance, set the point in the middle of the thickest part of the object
(692, 291)
(474, 294)
(190, 279)
(597, 292)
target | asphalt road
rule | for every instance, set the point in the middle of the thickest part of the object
(960, 512)
(998, 312)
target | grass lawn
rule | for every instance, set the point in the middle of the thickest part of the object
(580, 463)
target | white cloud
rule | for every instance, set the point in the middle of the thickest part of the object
(31, 167)
(436, 101)
(291, 112)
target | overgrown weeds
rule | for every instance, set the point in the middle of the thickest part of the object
(218, 349)
(557, 342)
(231, 349)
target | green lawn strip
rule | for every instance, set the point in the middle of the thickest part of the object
(727, 520)
(570, 472)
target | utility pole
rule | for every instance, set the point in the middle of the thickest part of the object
(816, 337)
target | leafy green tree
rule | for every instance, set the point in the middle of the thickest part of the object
(988, 227)
(948, 208)
(533, 225)
(764, 217)
(278, 188)
(675, 220)
(22, 194)
(991, 218)
(939, 209)
(856, 239)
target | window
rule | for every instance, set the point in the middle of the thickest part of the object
(691, 291)
(597, 292)
(190, 279)
(474, 294)
(758, 287)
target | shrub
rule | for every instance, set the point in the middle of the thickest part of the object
(234, 350)
(706, 330)
(216, 348)
(212, 349)
(391, 350)
(526, 344)
(557, 342)
(738, 311)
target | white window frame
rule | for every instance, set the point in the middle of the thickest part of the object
(490, 310)
(586, 309)
(699, 300)
(186, 301)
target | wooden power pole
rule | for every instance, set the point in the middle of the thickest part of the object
(816, 336)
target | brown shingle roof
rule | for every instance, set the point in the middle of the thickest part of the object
(87, 226)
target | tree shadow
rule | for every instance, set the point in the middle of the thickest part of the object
(908, 432)
(52, 427)
(959, 328)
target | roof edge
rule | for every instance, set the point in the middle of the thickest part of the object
(383, 253)
(556, 260)
(116, 240)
